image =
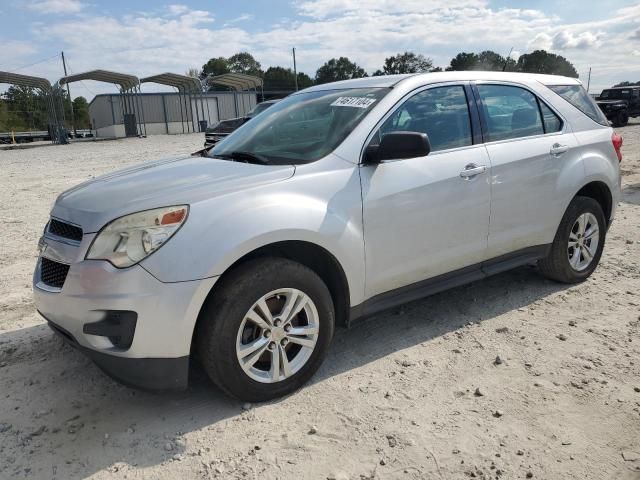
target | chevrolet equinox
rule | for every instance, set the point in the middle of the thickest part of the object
(337, 202)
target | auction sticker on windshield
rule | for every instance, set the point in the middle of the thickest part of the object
(357, 102)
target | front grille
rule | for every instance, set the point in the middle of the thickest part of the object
(53, 273)
(65, 230)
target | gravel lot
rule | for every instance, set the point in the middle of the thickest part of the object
(413, 393)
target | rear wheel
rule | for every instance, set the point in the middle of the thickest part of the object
(578, 243)
(266, 329)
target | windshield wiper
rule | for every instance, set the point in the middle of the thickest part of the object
(247, 157)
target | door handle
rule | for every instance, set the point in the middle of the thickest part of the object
(472, 170)
(557, 149)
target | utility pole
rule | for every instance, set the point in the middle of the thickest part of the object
(506, 60)
(589, 80)
(73, 123)
(295, 71)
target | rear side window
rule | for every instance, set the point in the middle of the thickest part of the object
(577, 96)
(441, 112)
(552, 122)
(511, 112)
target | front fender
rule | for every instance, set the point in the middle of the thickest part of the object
(220, 231)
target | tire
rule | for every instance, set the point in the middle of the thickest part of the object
(227, 325)
(564, 262)
(621, 118)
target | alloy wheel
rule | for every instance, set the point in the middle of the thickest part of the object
(583, 241)
(277, 335)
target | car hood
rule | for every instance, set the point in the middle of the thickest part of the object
(176, 180)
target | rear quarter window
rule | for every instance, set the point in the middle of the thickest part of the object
(577, 96)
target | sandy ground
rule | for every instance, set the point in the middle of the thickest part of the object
(395, 398)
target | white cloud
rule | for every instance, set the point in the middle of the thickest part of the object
(176, 37)
(45, 7)
(564, 40)
(242, 18)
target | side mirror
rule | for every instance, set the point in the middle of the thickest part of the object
(399, 145)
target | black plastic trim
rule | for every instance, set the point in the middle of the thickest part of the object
(118, 325)
(424, 288)
(143, 373)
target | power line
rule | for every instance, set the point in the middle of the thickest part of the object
(32, 64)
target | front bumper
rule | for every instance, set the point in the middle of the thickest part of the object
(146, 373)
(166, 314)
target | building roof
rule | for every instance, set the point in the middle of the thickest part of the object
(184, 82)
(237, 81)
(25, 80)
(125, 81)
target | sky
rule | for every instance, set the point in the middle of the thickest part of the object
(147, 37)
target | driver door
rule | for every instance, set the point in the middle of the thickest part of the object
(425, 217)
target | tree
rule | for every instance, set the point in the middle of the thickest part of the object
(192, 72)
(486, 60)
(280, 78)
(244, 62)
(216, 66)
(407, 62)
(463, 61)
(541, 61)
(339, 69)
(304, 80)
(81, 112)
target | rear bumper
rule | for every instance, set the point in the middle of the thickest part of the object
(146, 373)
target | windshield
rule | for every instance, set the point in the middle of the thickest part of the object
(301, 128)
(616, 94)
(261, 107)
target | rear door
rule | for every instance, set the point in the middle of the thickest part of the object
(427, 216)
(529, 144)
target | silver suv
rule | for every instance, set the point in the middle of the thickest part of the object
(338, 202)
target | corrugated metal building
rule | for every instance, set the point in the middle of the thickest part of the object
(169, 113)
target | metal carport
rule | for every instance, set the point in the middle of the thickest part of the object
(187, 87)
(129, 92)
(56, 122)
(238, 82)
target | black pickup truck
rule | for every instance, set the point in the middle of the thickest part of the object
(620, 103)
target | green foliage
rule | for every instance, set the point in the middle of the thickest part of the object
(407, 62)
(280, 78)
(81, 112)
(25, 109)
(486, 61)
(541, 61)
(244, 62)
(339, 69)
(216, 66)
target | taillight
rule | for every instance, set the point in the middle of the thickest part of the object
(616, 139)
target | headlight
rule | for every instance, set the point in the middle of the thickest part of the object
(129, 239)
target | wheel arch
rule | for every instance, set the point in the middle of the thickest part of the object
(601, 193)
(310, 254)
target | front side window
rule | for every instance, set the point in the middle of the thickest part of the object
(302, 128)
(511, 112)
(441, 112)
(577, 96)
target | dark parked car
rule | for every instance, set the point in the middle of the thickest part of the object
(220, 130)
(620, 103)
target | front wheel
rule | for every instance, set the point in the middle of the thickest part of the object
(578, 243)
(266, 329)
